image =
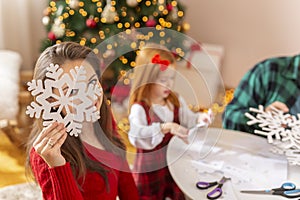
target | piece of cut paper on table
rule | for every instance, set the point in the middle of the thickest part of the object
(292, 155)
(234, 155)
(245, 170)
(84, 108)
(282, 130)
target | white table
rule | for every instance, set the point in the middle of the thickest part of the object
(209, 144)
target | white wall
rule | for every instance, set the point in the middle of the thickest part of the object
(249, 30)
(39, 32)
(21, 28)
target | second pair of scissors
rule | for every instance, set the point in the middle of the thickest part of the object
(287, 190)
(215, 193)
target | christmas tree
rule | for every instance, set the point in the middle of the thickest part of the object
(94, 22)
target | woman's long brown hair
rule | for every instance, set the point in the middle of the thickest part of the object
(73, 149)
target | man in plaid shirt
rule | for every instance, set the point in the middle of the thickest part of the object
(274, 81)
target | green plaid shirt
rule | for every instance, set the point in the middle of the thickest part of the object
(275, 79)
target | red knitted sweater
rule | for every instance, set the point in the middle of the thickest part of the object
(59, 183)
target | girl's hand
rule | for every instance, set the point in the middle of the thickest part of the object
(175, 129)
(277, 105)
(206, 117)
(48, 144)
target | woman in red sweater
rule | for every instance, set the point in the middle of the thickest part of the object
(91, 166)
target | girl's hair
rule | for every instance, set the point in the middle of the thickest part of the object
(73, 149)
(146, 73)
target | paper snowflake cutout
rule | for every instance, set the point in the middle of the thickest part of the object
(292, 155)
(81, 101)
(282, 130)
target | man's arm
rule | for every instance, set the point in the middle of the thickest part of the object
(249, 93)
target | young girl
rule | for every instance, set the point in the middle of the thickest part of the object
(91, 166)
(156, 114)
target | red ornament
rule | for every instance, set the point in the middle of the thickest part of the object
(91, 23)
(151, 23)
(51, 36)
(169, 7)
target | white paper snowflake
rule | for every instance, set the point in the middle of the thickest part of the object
(81, 101)
(282, 130)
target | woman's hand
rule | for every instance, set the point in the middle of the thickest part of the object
(49, 142)
(277, 105)
(175, 129)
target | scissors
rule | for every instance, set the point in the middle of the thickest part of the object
(287, 190)
(215, 193)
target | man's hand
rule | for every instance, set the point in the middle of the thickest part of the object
(278, 105)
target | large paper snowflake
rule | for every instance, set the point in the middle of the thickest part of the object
(77, 106)
(282, 130)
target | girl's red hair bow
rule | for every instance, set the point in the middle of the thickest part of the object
(163, 63)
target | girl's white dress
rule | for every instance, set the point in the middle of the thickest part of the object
(145, 136)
